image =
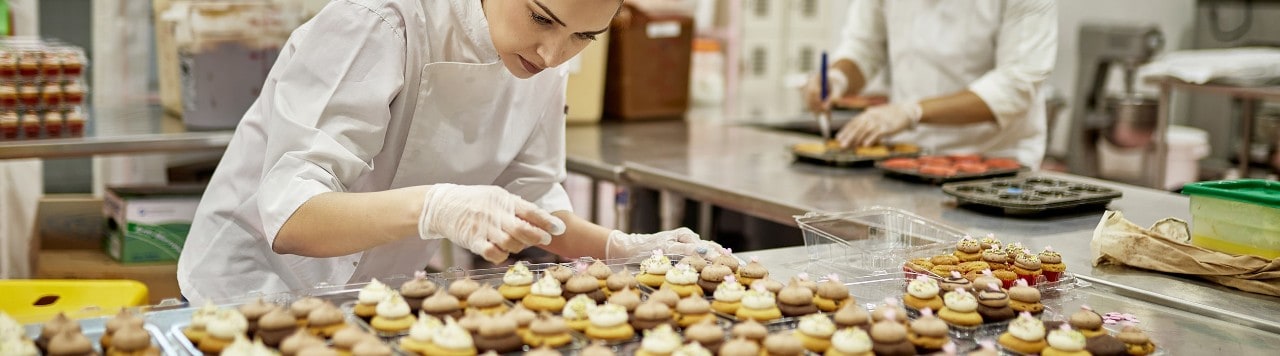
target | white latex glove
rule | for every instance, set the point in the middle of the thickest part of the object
(878, 122)
(486, 220)
(680, 241)
(837, 84)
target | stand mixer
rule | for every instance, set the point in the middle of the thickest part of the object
(1127, 120)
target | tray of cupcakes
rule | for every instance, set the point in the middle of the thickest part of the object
(126, 333)
(1084, 332)
(973, 258)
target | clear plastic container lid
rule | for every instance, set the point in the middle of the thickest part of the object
(873, 240)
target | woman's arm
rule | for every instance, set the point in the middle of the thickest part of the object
(339, 224)
(956, 109)
(581, 237)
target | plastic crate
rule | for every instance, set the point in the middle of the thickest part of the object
(30, 300)
(871, 241)
(1239, 216)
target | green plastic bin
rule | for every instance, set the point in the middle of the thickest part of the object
(1236, 216)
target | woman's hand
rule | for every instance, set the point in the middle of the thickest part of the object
(680, 241)
(879, 122)
(486, 220)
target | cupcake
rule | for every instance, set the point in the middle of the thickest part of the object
(831, 294)
(760, 305)
(706, 333)
(442, 304)
(995, 258)
(1006, 277)
(132, 340)
(1065, 342)
(890, 310)
(973, 267)
(954, 281)
(596, 349)
(692, 349)
(370, 347)
(653, 270)
(368, 299)
(683, 280)
(1087, 321)
(987, 278)
(303, 307)
(692, 310)
(222, 330)
(123, 319)
(18, 347)
(488, 301)
(275, 326)
(419, 339)
(726, 259)
(750, 330)
(944, 260)
(346, 338)
(240, 347)
(299, 341)
(928, 333)
(665, 296)
(69, 343)
(577, 310)
(516, 282)
(740, 347)
(523, 317)
(1135, 340)
(916, 266)
(711, 277)
(650, 314)
(1025, 299)
(728, 296)
(783, 344)
(498, 335)
(1012, 251)
(545, 295)
(560, 273)
(771, 285)
(628, 298)
(394, 315)
(942, 270)
(320, 350)
(609, 322)
(889, 338)
(1027, 267)
(463, 288)
(543, 351)
(584, 285)
(451, 340)
(1105, 345)
(696, 262)
(194, 331)
(600, 272)
(993, 305)
(923, 293)
(1051, 264)
(1025, 335)
(852, 315)
(989, 241)
(548, 330)
(850, 342)
(325, 320)
(968, 250)
(960, 309)
(753, 271)
(985, 348)
(795, 300)
(620, 280)
(662, 340)
(814, 332)
(253, 311)
(471, 321)
(803, 280)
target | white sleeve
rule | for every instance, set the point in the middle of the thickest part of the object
(326, 107)
(1025, 52)
(538, 170)
(863, 39)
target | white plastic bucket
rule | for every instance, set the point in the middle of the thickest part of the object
(1187, 145)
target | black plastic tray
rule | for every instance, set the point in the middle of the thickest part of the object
(1031, 195)
(845, 158)
(916, 176)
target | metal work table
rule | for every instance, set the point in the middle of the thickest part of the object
(750, 170)
(1249, 98)
(119, 130)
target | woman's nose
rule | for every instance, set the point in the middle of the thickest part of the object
(552, 52)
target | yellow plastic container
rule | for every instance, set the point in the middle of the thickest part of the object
(1239, 217)
(37, 300)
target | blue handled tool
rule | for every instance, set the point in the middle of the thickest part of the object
(824, 117)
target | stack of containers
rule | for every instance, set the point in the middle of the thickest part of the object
(42, 89)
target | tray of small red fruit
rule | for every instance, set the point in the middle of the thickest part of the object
(950, 168)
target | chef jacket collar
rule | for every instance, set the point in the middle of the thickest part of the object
(476, 27)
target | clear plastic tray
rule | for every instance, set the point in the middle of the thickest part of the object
(872, 241)
(93, 329)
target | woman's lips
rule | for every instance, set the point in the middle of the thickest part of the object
(529, 66)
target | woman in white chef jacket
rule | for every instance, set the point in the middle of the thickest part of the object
(965, 75)
(385, 126)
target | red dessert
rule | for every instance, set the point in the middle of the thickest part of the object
(971, 167)
(945, 171)
(1002, 163)
(901, 163)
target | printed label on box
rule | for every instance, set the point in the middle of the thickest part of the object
(663, 29)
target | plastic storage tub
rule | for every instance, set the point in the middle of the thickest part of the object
(29, 300)
(1238, 216)
(875, 240)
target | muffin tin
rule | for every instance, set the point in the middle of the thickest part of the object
(847, 158)
(915, 174)
(1031, 195)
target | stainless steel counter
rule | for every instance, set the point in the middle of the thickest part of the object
(749, 169)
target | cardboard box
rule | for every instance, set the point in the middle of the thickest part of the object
(149, 224)
(161, 278)
(70, 222)
(585, 92)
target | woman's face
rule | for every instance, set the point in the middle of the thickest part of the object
(532, 35)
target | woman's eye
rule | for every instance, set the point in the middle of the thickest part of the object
(541, 20)
(587, 36)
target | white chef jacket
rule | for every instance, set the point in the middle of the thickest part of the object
(336, 115)
(999, 49)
